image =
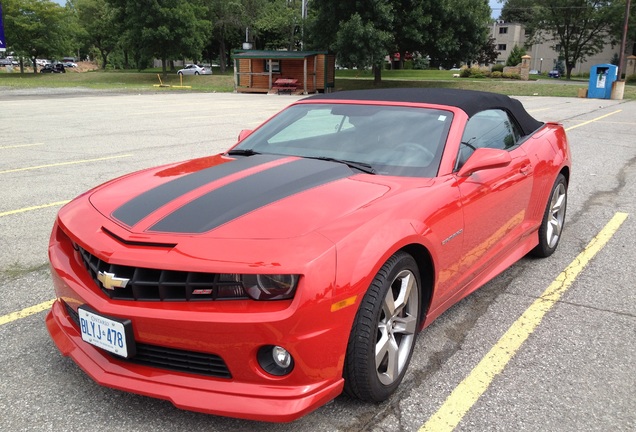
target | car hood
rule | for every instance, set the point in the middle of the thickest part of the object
(255, 197)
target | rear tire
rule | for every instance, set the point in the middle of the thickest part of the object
(553, 219)
(383, 335)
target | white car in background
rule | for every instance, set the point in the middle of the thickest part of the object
(193, 69)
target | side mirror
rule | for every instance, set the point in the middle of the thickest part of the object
(244, 134)
(485, 158)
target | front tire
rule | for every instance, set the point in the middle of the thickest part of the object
(553, 219)
(383, 335)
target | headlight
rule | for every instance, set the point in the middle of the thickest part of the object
(270, 286)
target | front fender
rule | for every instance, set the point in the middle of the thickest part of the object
(361, 255)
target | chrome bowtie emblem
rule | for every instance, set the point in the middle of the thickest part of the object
(110, 281)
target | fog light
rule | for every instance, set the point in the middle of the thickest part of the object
(275, 360)
(281, 357)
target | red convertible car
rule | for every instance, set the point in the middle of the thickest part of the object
(263, 282)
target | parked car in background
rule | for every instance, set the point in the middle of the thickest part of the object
(70, 64)
(8, 61)
(554, 74)
(193, 69)
(53, 68)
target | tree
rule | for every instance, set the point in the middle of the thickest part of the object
(517, 11)
(36, 28)
(412, 33)
(228, 19)
(488, 53)
(459, 32)
(369, 22)
(360, 44)
(515, 56)
(164, 29)
(278, 24)
(579, 28)
(100, 25)
(448, 31)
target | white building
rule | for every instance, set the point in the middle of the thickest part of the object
(544, 57)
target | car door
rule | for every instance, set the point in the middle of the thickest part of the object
(495, 200)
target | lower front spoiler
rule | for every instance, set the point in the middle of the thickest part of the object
(189, 392)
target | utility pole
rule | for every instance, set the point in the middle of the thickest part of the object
(303, 16)
(621, 57)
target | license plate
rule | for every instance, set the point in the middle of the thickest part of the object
(110, 334)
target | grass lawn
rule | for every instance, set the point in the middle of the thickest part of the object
(345, 80)
(117, 80)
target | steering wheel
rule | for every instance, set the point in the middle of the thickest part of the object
(416, 152)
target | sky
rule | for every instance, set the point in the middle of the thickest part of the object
(496, 8)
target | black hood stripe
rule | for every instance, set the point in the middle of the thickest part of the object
(141, 206)
(250, 193)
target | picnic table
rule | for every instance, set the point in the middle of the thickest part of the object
(285, 85)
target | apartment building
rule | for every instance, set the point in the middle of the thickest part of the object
(544, 56)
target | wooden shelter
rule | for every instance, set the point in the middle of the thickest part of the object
(298, 72)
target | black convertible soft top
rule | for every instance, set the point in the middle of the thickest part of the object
(469, 101)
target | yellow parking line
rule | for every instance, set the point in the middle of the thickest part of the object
(477, 382)
(64, 163)
(26, 209)
(20, 145)
(591, 121)
(5, 319)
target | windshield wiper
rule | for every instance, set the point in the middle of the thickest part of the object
(242, 152)
(364, 167)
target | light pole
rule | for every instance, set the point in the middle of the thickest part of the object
(541, 65)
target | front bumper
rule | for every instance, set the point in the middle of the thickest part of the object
(252, 401)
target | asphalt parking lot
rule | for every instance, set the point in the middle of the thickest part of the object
(576, 370)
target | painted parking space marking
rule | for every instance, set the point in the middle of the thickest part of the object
(28, 209)
(64, 163)
(466, 394)
(593, 120)
(26, 312)
(20, 146)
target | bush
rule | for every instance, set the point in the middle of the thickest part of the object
(496, 74)
(474, 72)
(498, 68)
(631, 79)
(421, 63)
(514, 58)
(509, 75)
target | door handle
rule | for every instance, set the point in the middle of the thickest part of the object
(526, 169)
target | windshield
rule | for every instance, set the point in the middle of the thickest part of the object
(393, 140)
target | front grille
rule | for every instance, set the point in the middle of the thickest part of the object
(163, 285)
(172, 359)
(180, 360)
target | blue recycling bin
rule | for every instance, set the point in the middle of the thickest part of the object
(602, 76)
